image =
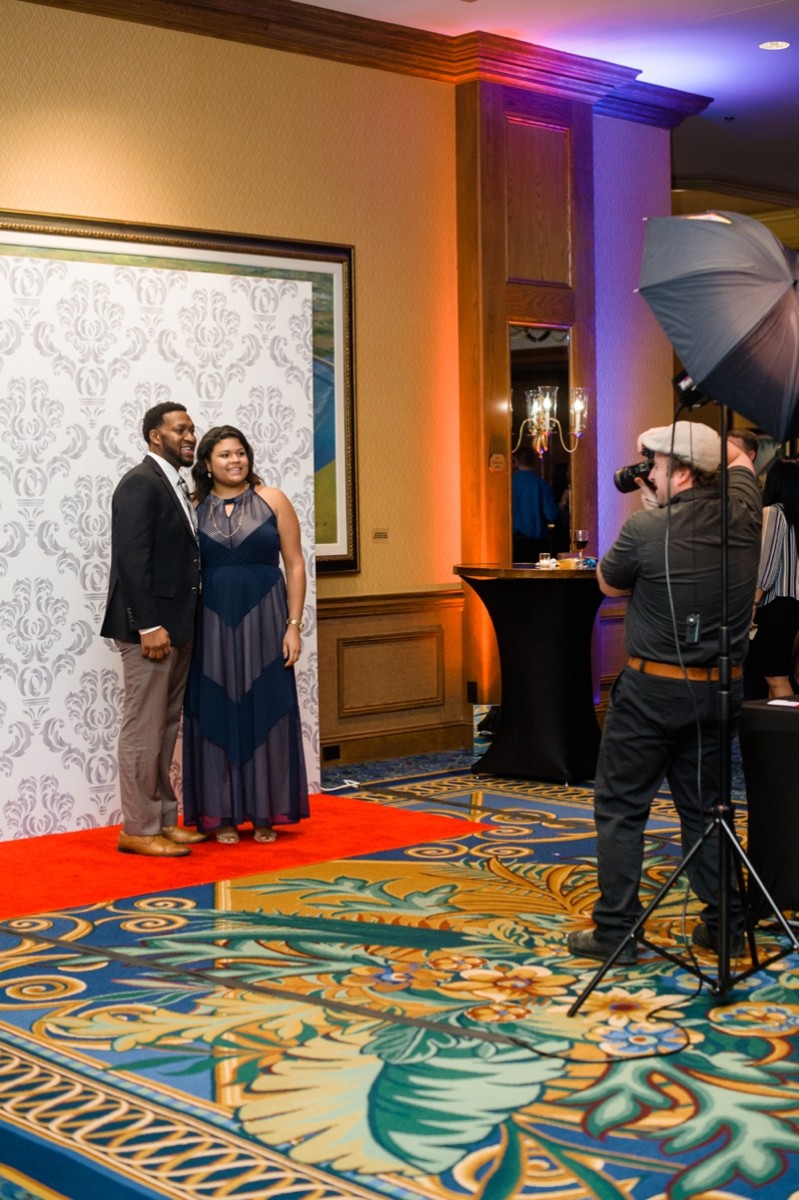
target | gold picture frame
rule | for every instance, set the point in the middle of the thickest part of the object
(330, 270)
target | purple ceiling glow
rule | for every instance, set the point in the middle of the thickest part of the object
(707, 47)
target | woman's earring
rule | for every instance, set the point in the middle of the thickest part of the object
(210, 476)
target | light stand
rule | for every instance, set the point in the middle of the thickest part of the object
(730, 852)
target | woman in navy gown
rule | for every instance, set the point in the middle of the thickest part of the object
(242, 739)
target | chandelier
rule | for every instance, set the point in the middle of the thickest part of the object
(541, 420)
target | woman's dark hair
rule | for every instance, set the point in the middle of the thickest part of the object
(782, 487)
(202, 483)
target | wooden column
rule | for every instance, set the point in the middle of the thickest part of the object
(525, 230)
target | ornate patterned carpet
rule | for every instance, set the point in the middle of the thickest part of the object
(394, 1026)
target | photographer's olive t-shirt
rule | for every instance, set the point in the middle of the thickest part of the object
(670, 558)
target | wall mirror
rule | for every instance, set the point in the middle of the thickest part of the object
(539, 357)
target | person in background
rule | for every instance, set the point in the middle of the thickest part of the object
(561, 538)
(242, 739)
(776, 608)
(533, 508)
(152, 601)
(663, 718)
(746, 440)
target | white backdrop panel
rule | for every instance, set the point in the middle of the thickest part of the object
(87, 345)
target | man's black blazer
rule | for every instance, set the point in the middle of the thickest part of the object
(155, 559)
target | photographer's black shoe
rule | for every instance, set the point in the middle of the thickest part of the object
(708, 939)
(584, 943)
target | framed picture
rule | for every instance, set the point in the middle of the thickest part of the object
(329, 269)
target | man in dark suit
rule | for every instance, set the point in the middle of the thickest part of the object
(150, 612)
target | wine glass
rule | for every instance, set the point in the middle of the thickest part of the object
(580, 539)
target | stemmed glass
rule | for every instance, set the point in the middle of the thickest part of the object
(580, 539)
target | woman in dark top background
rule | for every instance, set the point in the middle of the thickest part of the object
(776, 612)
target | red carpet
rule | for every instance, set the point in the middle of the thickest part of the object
(64, 870)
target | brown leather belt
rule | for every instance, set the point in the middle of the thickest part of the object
(673, 671)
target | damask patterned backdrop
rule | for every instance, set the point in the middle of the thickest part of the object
(88, 342)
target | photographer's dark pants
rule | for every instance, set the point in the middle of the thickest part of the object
(657, 728)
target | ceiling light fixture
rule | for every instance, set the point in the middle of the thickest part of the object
(774, 45)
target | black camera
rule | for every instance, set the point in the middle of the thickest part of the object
(625, 477)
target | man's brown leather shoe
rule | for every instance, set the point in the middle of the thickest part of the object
(154, 846)
(181, 836)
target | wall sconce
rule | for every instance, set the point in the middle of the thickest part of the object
(541, 418)
(578, 411)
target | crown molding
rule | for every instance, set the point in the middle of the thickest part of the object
(288, 26)
(306, 29)
(648, 104)
(487, 57)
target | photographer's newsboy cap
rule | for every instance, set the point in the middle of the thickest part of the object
(692, 442)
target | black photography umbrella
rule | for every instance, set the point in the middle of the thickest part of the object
(724, 290)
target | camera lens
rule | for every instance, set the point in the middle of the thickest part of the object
(625, 477)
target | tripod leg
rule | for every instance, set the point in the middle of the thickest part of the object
(725, 930)
(753, 875)
(728, 844)
(727, 708)
(639, 924)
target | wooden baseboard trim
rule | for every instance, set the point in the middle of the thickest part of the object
(337, 608)
(399, 743)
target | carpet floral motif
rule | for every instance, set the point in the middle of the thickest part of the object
(398, 1026)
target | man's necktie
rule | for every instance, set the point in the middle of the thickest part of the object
(190, 510)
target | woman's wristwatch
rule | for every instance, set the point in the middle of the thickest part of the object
(300, 624)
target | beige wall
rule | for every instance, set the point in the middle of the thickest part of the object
(118, 121)
(635, 363)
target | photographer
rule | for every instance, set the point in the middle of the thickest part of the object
(663, 719)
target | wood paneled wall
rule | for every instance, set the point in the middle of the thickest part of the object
(391, 682)
(390, 676)
(525, 221)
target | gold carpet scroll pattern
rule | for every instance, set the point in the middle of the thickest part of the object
(400, 1018)
(24, 1188)
(318, 1071)
(180, 1154)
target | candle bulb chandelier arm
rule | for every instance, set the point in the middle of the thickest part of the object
(541, 419)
